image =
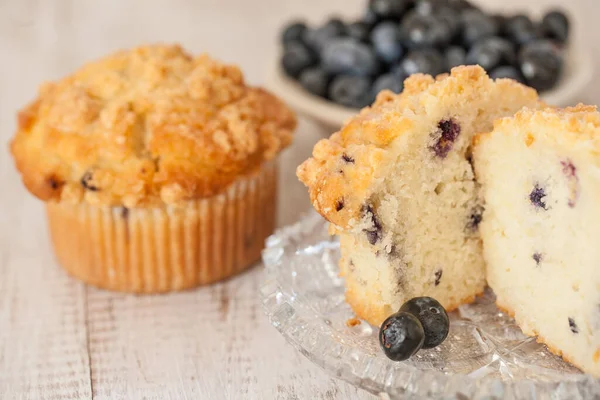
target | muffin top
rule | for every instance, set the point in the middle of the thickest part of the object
(147, 126)
(345, 169)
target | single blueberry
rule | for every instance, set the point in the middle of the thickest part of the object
(351, 91)
(317, 38)
(54, 182)
(296, 58)
(349, 56)
(537, 196)
(475, 218)
(438, 277)
(491, 52)
(374, 232)
(86, 182)
(420, 31)
(401, 335)
(455, 56)
(359, 31)
(387, 42)
(425, 61)
(569, 169)
(293, 32)
(452, 19)
(507, 71)
(389, 9)
(433, 318)
(388, 82)
(448, 131)
(541, 63)
(370, 18)
(573, 326)
(477, 25)
(520, 29)
(315, 80)
(347, 158)
(555, 25)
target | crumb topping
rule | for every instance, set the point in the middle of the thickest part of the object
(144, 126)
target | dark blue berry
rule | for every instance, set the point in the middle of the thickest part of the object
(507, 71)
(296, 58)
(475, 218)
(432, 316)
(520, 29)
(448, 129)
(87, 182)
(374, 232)
(401, 336)
(573, 326)
(351, 91)
(317, 38)
(348, 56)
(389, 9)
(347, 158)
(555, 25)
(315, 80)
(420, 31)
(388, 82)
(425, 61)
(455, 56)
(452, 19)
(438, 277)
(293, 32)
(477, 25)
(387, 42)
(359, 31)
(541, 64)
(569, 169)
(370, 18)
(537, 196)
(491, 52)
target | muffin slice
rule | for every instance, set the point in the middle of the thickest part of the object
(158, 168)
(398, 187)
(540, 177)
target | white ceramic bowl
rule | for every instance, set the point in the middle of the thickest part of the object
(577, 73)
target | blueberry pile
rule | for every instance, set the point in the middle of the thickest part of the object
(421, 323)
(350, 62)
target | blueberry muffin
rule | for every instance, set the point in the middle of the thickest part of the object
(398, 187)
(539, 174)
(157, 168)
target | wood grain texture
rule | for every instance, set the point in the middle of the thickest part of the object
(61, 340)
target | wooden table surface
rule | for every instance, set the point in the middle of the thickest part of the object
(62, 340)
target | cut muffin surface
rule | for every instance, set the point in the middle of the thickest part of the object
(540, 179)
(397, 184)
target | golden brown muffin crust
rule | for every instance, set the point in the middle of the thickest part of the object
(147, 126)
(343, 168)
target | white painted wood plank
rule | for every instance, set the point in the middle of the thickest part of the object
(213, 342)
(43, 335)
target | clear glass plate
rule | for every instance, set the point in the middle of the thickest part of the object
(485, 356)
